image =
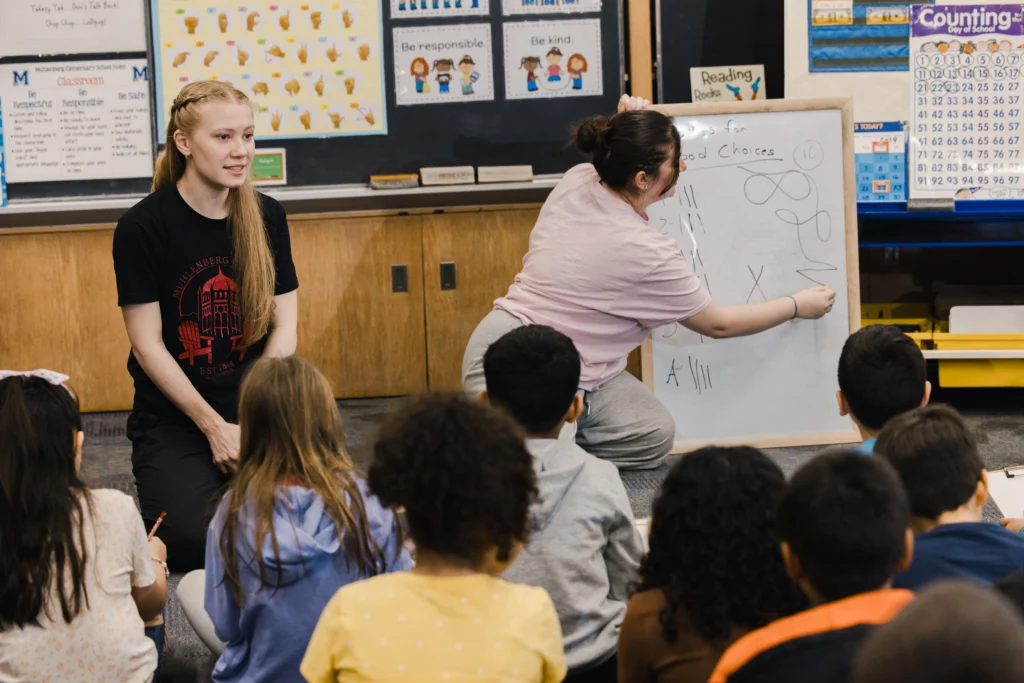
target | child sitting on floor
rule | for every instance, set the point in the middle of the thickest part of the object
(466, 481)
(584, 547)
(714, 571)
(937, 459)
(78, 577)
(843, 525)
(881, 375)
(296, 524)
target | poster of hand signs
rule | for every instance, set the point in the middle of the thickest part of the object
(427, 9)
(549, 6)
(443, 64)
(553, 59)
(312, 69)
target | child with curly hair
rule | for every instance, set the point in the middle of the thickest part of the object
(466, 481)
(714, 571)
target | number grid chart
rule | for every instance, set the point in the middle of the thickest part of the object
(966, 102)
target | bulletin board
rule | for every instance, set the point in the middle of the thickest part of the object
(498, 130)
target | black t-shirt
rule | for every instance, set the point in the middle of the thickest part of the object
(164, 251)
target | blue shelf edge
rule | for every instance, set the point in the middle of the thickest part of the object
(976, 209)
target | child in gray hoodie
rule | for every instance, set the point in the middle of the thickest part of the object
(584, 546)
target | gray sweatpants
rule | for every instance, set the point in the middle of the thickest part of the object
(622, 421)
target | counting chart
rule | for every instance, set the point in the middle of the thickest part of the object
(966, 96)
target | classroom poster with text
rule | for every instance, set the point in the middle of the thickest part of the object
(85, 120)
(3, 175)
(553, 59)
(549, 6)
(443, 64)
(311, 69)
(967, 100)
(430, 9)
(63, 27)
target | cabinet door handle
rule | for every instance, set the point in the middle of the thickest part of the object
(447, 275)
(399, 278)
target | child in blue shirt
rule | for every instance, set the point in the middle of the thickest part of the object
(937, 459)
(881, 375)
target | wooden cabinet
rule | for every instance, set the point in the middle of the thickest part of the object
(487, 249)
(367, 339)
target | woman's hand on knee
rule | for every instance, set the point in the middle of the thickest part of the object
(224, 442)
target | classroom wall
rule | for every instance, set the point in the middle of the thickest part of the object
(877, 95)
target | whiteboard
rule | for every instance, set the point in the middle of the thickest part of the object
(61, 27)
(765, 208)
(877, 95)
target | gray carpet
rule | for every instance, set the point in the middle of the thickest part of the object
(106, 463)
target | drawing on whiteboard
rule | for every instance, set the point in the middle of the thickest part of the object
(797, 186)
(757, 284)
(700, 373)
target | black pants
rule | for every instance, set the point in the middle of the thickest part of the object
(174, 473)
(606, 672)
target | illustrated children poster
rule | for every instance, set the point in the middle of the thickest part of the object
(443, 64)
(549, 6)
(553, 59)
(966, 90)
(311, 69)
(423, 9)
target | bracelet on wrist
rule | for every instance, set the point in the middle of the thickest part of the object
(796, 309)
(167, 572)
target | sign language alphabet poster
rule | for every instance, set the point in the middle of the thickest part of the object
(553, 59)
(311, 69)
(443, 64)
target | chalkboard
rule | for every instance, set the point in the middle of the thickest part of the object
(718, 33)
(499, 132)
(765, 208)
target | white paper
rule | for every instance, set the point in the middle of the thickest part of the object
(423, 9)
(77, 120)
(443, 64)
(1007, 492)
(553, 59)
(549, 6)
(52, 27)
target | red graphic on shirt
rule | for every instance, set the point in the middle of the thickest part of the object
(210, 325)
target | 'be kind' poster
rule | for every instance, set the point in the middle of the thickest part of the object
(443, 64)
(553, 59)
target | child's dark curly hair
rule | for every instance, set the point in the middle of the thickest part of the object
(714, 546)
(461, 471)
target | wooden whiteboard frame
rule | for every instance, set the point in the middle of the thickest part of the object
(845, 106)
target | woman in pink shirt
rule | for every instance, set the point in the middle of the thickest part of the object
(598, 273)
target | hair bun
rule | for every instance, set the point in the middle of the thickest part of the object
(592, 135)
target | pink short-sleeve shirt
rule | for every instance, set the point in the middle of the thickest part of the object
(598, 273)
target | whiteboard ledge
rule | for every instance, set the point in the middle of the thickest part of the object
(290, 194)
(776, 441)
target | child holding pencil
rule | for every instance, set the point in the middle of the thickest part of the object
(78, 577)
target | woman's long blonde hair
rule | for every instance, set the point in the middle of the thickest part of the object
(291, 434)
(253, 259)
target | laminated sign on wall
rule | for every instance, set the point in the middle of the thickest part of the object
(727, 83)
(312, 69)
(443, 64)
(966, 96)
(553, 59)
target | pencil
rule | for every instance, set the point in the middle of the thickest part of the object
(157, 525)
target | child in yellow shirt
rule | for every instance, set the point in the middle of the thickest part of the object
(462, 473)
